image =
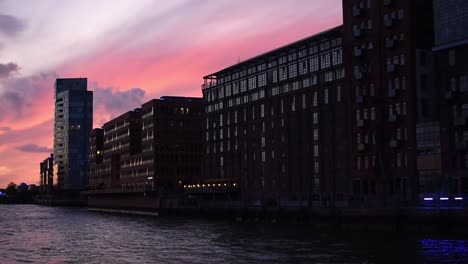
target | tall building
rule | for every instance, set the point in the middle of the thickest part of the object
(382, 39)
(275, 125)
(451, 53)
(73, 123)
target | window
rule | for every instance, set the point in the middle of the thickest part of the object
(221, 92)
(275, 76)
(316, 134)
(262, 80)
(326, 96)
(293, 104)
(315, 99)
(316, 151)
(303, 101)
(235, 88)
(338, 93)
(451, 57)
(292, 70)
(315, 118)
(275, 90)
(252, 83)
(325, 61)
(464, 83)
(228, 90)
(314, 64)
(337, 57)
(302, 67)
(283, 74)
(243, 85)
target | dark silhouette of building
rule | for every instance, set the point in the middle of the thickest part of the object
(47, 174)
(155, 147)
(276, 124)
(382, 39)
(73, 123)
(96, 151)
(451, 53)
(171, 142)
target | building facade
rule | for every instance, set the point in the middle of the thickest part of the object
(73, 123)
(451, 51)
(47, 174)
(275, 125)
(156, 147)
(381, 41)
(96, 151)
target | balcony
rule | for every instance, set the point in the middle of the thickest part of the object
(393, 118)
(357, 32)
(357, 11)
(390, 43)
(387, 2)
(391, 68)
(388, 21)
(449, 95)
(358, 75)
(358, 52)
(361, 147)
(394, 143)
(360, 99)
(392, 93)
(460, 120)
(461, 145)
(361, 123)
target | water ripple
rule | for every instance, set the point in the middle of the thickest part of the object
(34, 234)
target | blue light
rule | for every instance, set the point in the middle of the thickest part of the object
(444, 198)
(458, 198)
(428, 199)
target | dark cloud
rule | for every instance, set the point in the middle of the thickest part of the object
(20, 93)
(10, 25)
(5, 129)
(111, 102)
(6, 69)
(34, 148)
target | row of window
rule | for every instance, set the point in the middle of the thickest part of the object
(281, 74)
(285, 88)
(366, 162)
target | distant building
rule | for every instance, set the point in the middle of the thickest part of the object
(73, 123)
(276, 124)
(451, 53)
(157, 147)
(47, 174)
(96, 151)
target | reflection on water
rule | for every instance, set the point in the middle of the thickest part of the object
(36, 234)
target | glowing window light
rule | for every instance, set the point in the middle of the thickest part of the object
(458, 198)
(198, 185)
(208, 185)
(444, 198)
(203, 185)
(233, 184)
(428, 199)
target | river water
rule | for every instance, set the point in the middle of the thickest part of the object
(38, 234)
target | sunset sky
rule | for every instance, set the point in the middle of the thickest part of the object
(130, 51)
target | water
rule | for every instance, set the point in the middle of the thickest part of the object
(36, 234)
